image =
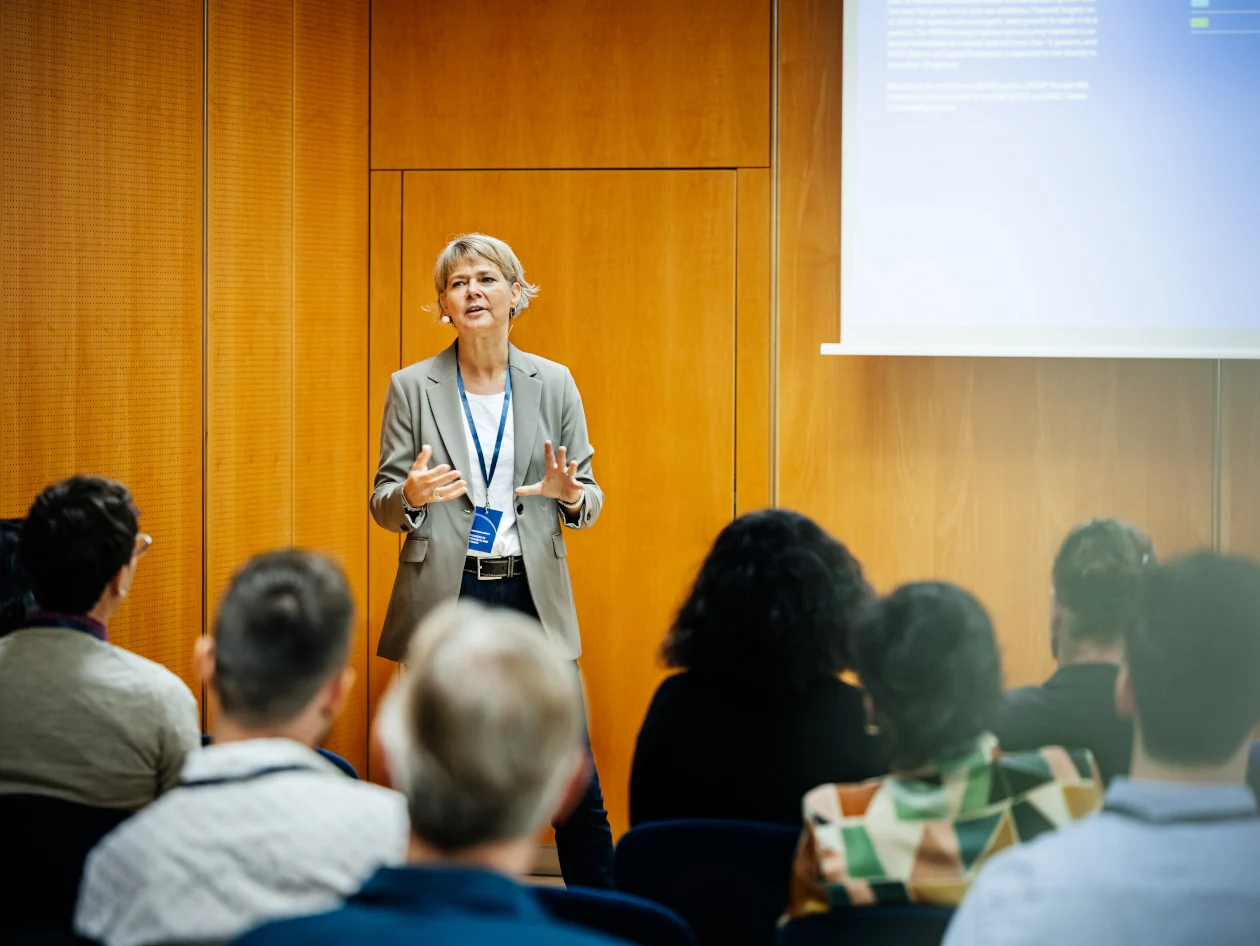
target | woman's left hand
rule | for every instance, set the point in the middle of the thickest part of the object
(559, 478)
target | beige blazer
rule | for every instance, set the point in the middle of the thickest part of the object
(423, 407)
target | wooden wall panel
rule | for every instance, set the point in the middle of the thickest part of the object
(753, 399)
(330, 330)
(287, 324)
(100, 280)
(571, 84)
(970, 470)
(249, 360)
(1240, 470)
(639, 301)
(384, 358)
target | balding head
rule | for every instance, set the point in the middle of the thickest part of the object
(484, 731)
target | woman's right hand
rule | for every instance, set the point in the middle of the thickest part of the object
(437, 485)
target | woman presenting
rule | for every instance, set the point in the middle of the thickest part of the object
(484, 453)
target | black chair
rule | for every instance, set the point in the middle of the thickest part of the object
(912, 925)
(618, 915)
(728, 879)
(339, 762)
(46, 841)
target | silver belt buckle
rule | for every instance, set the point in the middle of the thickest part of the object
(481, 577)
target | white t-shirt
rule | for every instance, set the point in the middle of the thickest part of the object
(487, 409)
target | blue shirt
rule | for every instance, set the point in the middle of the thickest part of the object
(434, 906)
(1163, 864)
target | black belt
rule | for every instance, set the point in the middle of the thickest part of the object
(492, 569)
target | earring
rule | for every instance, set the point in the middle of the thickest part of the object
(445, 320)
(512, 312)
(872, 729)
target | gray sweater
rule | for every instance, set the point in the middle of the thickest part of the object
(84, 720)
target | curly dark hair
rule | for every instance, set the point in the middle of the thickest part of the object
(771, 606)
(15, 589)
(76, 536)
(1097, 574)
(928, 658)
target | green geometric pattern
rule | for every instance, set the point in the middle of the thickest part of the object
(895, 837)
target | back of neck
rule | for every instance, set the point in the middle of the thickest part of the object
(1076, 653)
(511, 858)
(228, 730)
(1232, 771)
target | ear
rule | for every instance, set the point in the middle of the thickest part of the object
(516, 294)
(1056, 626)
(338, 691)
(120, 584)
(1126, 706)
(575, 789)
(203, 660)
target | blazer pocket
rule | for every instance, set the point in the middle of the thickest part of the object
(557, 544)
(413, 550)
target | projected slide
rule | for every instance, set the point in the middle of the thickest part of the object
(1051, 177)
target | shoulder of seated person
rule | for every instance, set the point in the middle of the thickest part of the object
(1081, 759)
(156, 677)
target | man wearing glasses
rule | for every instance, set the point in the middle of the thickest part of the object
(80, 718)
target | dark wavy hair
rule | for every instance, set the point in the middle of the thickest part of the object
(928, 658)
(15, 589)
(76, 536)
(771, 606)
(1097, 575)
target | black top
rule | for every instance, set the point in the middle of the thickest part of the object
(1076, 709)
(707, 752)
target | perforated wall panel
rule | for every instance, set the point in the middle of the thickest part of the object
(330, 313)
(249, 435)
(100, 280)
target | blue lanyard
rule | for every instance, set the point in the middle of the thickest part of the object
(486, 475)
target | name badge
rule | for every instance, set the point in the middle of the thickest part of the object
(485, 529)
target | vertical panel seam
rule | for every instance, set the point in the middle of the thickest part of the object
(293, 255)
(735, 368)
(367, 426)
(205, 333)
(774, 254)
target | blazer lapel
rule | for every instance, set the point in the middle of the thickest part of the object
(447, 411)
(526, 398)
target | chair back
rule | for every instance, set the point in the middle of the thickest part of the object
(339, 762)
(908, 925)
(619, 915)
(46, 841)
(728, 879)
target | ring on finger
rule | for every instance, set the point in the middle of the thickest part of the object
(437, 492)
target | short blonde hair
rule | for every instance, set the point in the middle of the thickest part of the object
(484, 728)
(481, 246)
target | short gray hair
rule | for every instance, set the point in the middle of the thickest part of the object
(483, 731)
(481, 246)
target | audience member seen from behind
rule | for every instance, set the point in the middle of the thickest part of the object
(261, 826)
(1096, 576)
(80, 718)
(759, 715)
(16, 599)
(929, 662)
(485, 738)
(1173, 859)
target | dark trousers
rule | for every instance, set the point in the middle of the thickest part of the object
(584, 840)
